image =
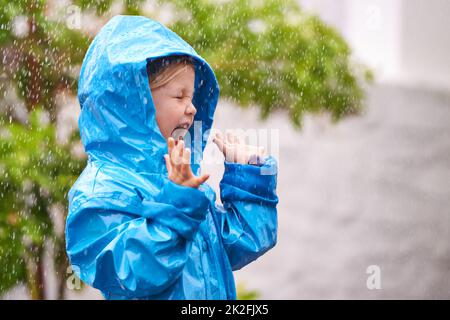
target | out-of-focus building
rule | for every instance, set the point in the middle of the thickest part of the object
(405, 41)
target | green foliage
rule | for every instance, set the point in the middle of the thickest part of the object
(273, 55)
(244, 294)
(268, 53)
(103, 6)
(39, 62)
(35, 174)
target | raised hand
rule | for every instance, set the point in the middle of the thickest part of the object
(178, 165)
(236, 150)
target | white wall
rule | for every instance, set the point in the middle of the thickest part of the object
(404, 41)
(425, 42)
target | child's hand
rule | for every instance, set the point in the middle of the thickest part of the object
(236, 150)
(178, 165)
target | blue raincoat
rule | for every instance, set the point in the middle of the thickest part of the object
(130, 231)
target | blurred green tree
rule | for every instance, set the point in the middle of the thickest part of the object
(273, 55)
(269, 54)
(39, 52)
(36, 173)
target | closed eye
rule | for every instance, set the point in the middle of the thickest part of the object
(182, 97)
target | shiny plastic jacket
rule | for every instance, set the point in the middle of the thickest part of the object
(130, 231)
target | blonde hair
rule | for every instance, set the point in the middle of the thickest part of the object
(161, 71)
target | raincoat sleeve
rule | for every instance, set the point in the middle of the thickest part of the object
(248, 217)
(137, 255)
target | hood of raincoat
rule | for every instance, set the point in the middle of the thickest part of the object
(117, 121)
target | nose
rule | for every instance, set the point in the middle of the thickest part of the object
(191, 110)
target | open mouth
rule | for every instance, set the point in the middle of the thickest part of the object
(180, 131)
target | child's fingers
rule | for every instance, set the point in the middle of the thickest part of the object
(228, 150)
(232, 148)
(231, 153)
(240, 140)
(235, 139)
(202, 178)
(171, 144)
(220, 143)
(180, 148)
(171, 148)
(231, 138)
(186, 167)
(219, 135)
(177, 154)
(168, 164)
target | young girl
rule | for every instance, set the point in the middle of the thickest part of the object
(142, 222)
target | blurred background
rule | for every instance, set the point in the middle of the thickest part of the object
(354, 99)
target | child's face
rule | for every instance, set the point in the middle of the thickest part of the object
(173, 102)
